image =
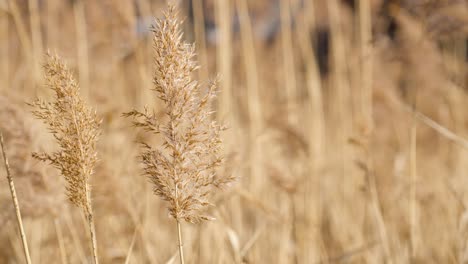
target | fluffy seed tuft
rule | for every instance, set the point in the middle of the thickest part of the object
(183, 168)
(75, 127)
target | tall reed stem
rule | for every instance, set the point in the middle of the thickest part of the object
(15, 202)
(181, 246)
(92, 231)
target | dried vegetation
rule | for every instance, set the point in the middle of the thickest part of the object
(348, 126)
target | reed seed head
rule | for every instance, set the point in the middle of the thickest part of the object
(183, 168)
(75, 127)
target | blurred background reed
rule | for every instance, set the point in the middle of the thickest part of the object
(347, 123)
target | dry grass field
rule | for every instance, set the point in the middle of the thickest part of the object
(346, 139)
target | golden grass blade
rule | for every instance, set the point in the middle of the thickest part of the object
(181, 246)
(132, 244)
(36, 38)
(21, 29)
(15, 202)
(200, 37)
(289, 65)
(443, 131)
(60, 239)
(75, 239)
(82, 46)
(366, 57)
(413, 189)
(224, 56)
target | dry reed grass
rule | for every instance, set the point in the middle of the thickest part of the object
(338, 161)
(183, 169)
(75, 127)
(15, 201)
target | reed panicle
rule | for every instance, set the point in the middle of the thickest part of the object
(183, 168)
(75, 127)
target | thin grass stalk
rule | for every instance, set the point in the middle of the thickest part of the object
(17, 249)
(253, 89)
(294, 227)
(4, 34)
(143, 62)
(21, 30)
(289, 72)
(35, 239)
(250, 64)
(316, 133)
(200, 37)
(36, 38)
(132, 244)
(414, 222)
(60, 240)
(340, 87)
(142, 95)
(15, 202)
(75, 238)
(366, 59)
(82, 46)
(179, 229)
(224, 57)
(50, 24)
(181, 246)
(314, 88)
(92, 232)
(377, 209)
(145, 224)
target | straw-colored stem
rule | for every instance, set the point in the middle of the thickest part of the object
(288, 56)
(365, 28)
(179, 229)
(15, 202)
(199, 28)
(21, 29)
(253, 90)
(377, 209)
(181, 246)
(132, 244)
(36, 37)
(92, 232)
(413, 189)
(5, 50)
(316, 121)
(82, 46)
(250, 62)
(58, 230)
(75, 238)
(375, 202)
(294, 227)
(224, 57)
(340, 84)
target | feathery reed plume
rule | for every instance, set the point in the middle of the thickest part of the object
(75, 127)
(15, 201)
(183, 168)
